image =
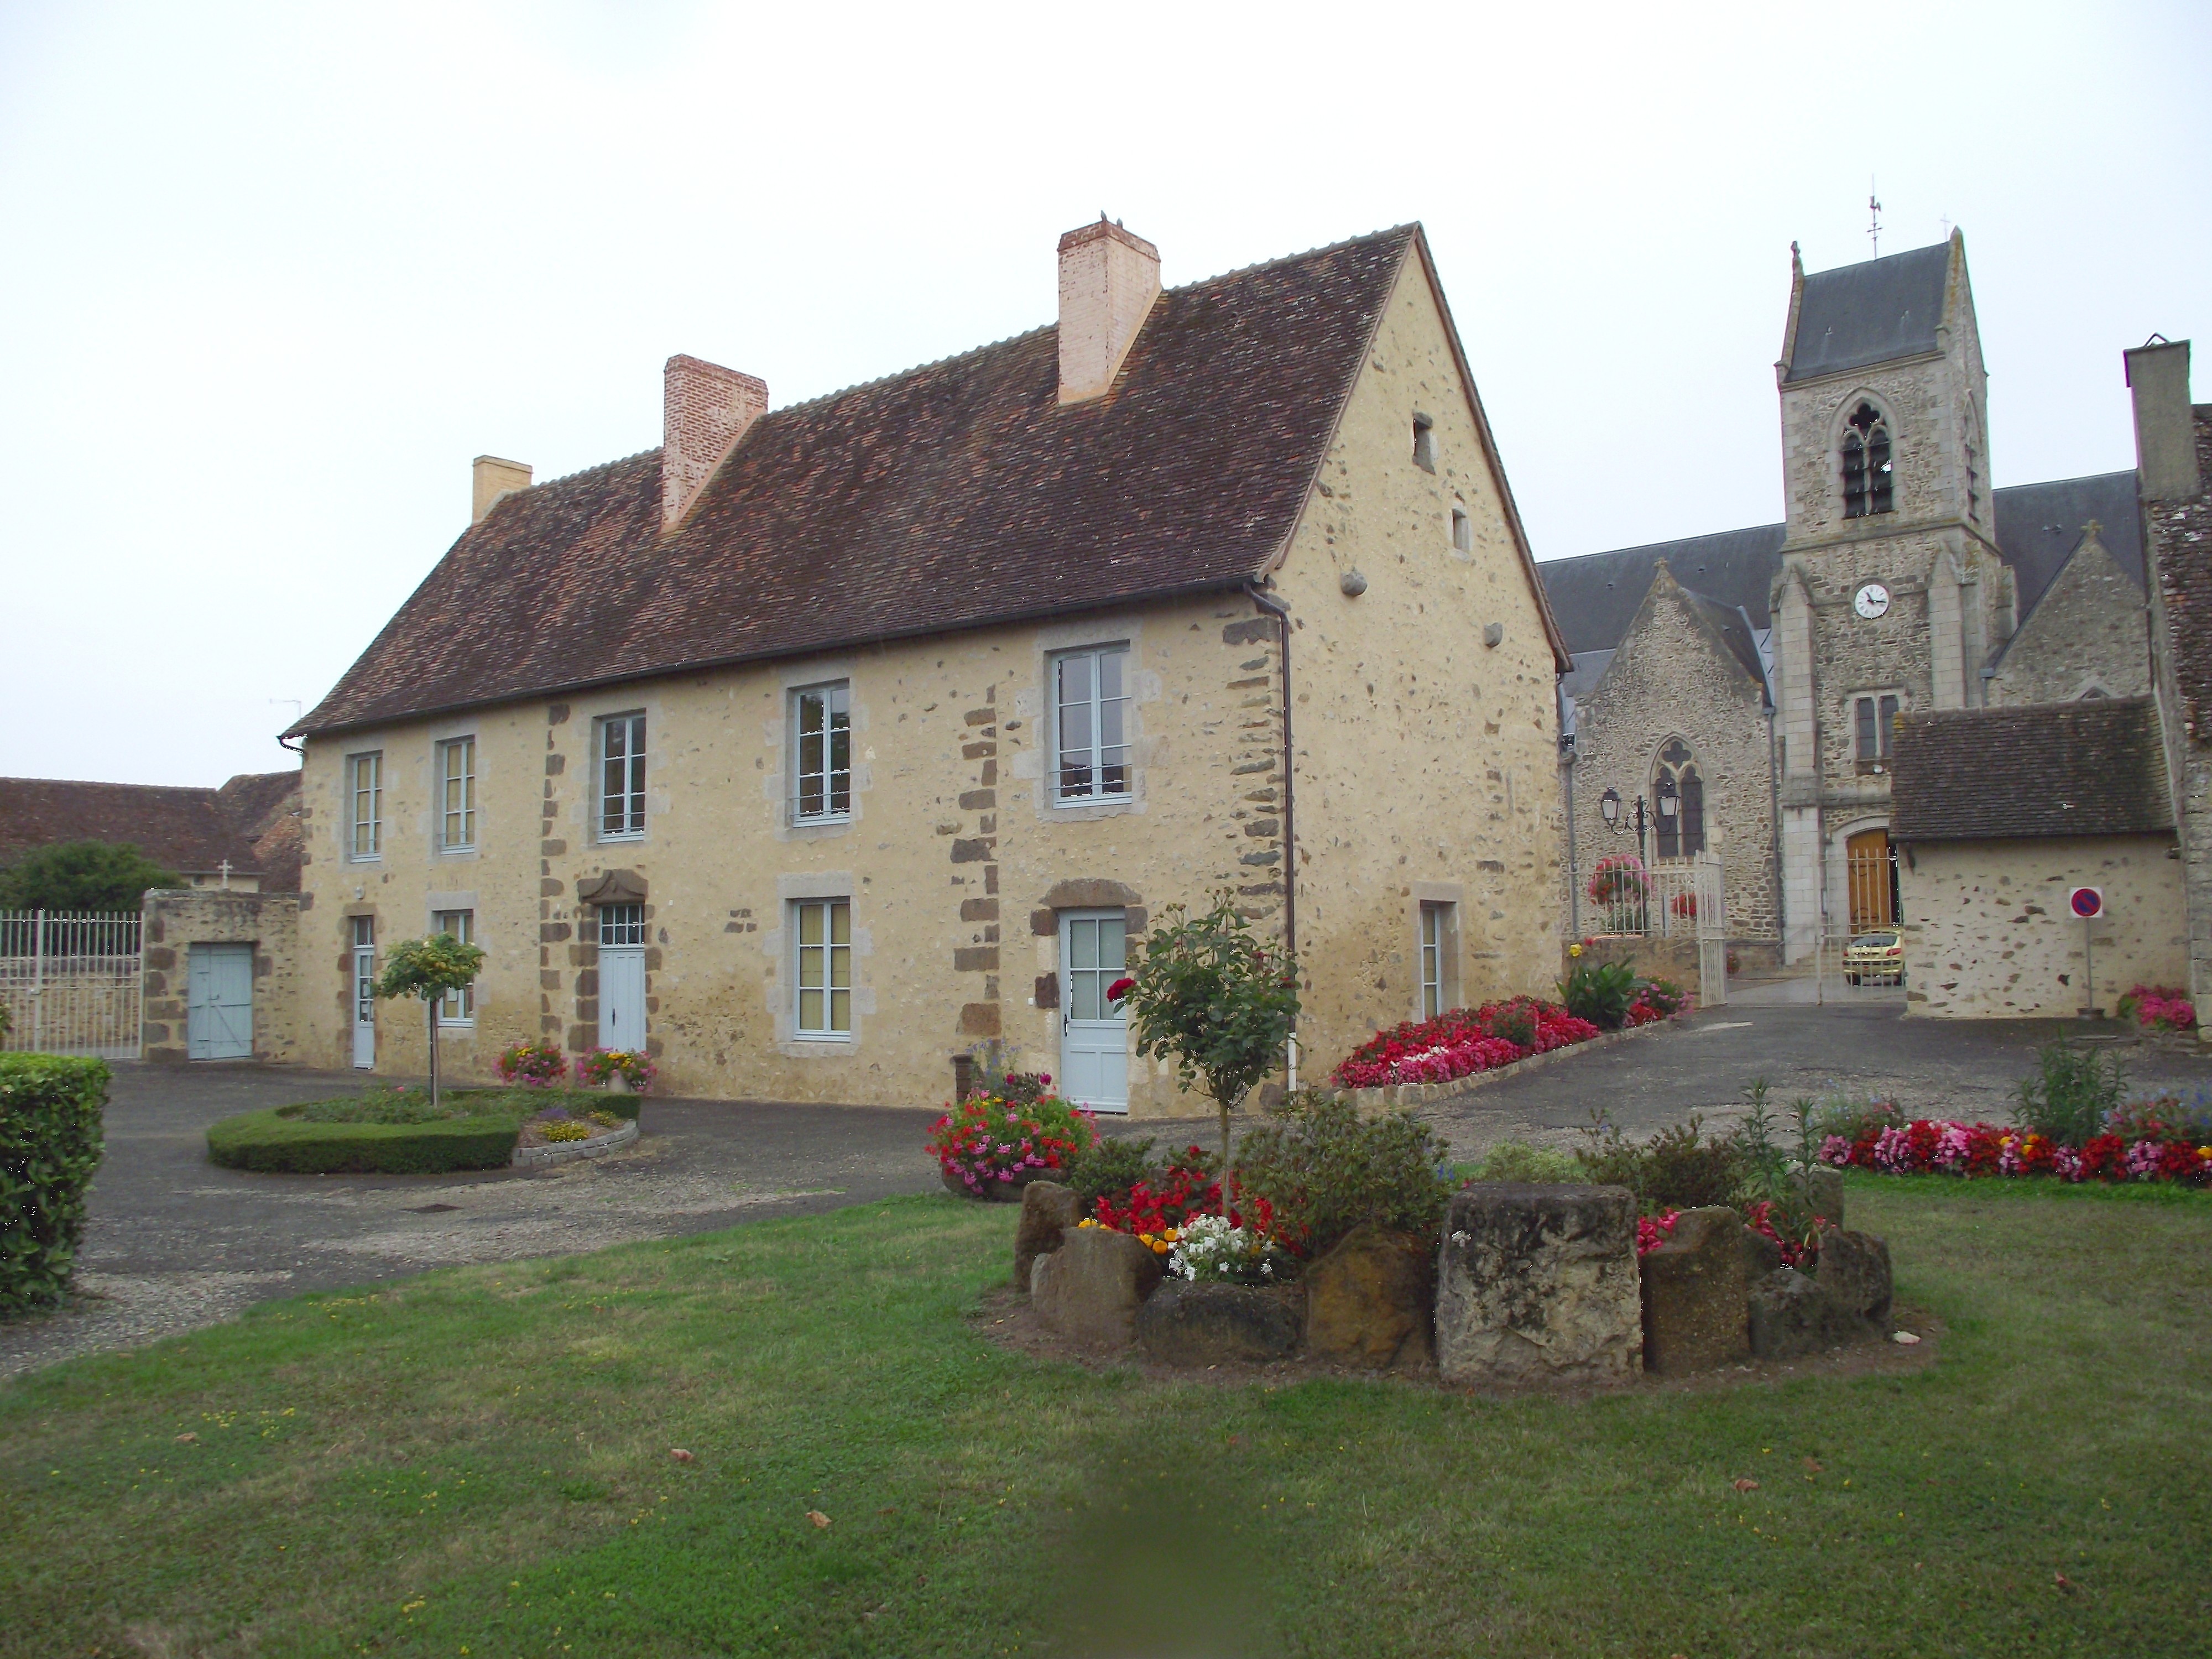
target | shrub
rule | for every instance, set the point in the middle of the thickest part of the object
(2159, 1009)
(634, 1066)
(83, 875)
(282, 1138)
(1677, 1169)
(397, 1104)
(2071, 1094)
(1323, 1171)
(1664, 997)
(533, 1065)
(1188, 1184)
(50, 1145)
(985, 1139)
(1516, 1160)
(1110, 1164)
(1600, 992)
(1210, 1251)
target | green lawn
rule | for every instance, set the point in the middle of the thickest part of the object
(476, 1462)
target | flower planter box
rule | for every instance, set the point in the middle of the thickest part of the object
(567, 1152)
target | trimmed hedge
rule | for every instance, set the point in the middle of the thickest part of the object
(268, 1140)
(50, 1145)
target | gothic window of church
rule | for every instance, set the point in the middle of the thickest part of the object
(1867, 472)
(1678, 793)
(1873, 720)
(1974, 463)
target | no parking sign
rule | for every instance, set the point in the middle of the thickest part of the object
(2087, 901)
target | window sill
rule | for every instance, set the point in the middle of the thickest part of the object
(820, 821)
(457, 1027)
(1079, 803)
(364, 857)
(842, 1038)
(463, 850)
(620, 838)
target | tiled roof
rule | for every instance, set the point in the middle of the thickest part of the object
(250, 821)
(2092, 768)
(954, 495)
(1873, 312)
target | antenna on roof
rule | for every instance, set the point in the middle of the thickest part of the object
(1873, 217)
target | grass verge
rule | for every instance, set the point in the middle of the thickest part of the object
(479, 1461)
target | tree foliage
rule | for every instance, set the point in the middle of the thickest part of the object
(83, 875)
(430, 968)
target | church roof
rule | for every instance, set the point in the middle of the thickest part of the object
(957, 495)
(2091, 768)
(2038, 526)
(1873, 312)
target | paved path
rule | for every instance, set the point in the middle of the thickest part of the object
(174, 1242)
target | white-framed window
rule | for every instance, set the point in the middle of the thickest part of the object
(822, 753)
(621, 777)
(1436, 962)
(365, 783)
(823, 977)
(457, 1007)
(457, 794)
(1462, 529)
(1090, 742)
(622, 924)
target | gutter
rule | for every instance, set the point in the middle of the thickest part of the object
(1281, 612)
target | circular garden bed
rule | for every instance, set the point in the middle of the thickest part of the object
(396, 1131)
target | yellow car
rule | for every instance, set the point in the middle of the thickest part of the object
(1877, 958)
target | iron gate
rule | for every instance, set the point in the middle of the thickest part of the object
(70, 983)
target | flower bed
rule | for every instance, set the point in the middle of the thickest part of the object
(2159, 1010)
(596, 1067)
(1461, 1042)
(988, 1143)
(2139, 1145)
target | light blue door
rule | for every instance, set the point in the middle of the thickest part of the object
(219, 1011)
(1094, 1037)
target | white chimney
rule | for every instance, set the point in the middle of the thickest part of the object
(493, 479)
(707, 409)
(1108, 282)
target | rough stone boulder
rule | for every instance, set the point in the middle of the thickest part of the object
(1370, 1301)
(1761, 1255)
(1539, 1282)
(1854, 1269)
(1089, 1290)
(1048, 1210)
(1823, 1191)
(1694, 1312)
(1183, 1324)
(1791, 1317)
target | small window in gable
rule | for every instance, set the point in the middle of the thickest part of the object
(1462, 529)
(1424, 443)
(1868, 475)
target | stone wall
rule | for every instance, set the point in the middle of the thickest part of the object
(2086, 634)
(175, 919)
(1989, 935)
(1671, 676)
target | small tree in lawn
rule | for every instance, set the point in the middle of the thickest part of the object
(432, 968)
(1219, 999)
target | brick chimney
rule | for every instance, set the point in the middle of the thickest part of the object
(2165, 426)
(1108, 282)
(494, 478)
(707, 409)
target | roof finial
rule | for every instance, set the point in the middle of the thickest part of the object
(1873, 217)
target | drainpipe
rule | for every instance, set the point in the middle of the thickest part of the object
(1281, 612)
(1774, 821)
(1574, 876)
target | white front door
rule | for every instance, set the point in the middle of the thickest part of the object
(219, 1013)
(1094, 1041)
(622, 997)
(364, 993)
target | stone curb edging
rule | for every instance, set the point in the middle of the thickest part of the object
(1393, 1095)
(565, 1152)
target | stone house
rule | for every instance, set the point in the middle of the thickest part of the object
(244, 836)
(1899, 582)
(823, 743)
(1999, 815)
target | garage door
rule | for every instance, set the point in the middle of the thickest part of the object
(220, 1024)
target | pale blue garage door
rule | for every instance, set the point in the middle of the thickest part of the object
(219, 1024)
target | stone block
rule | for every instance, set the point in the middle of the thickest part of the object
(1194, 1325)
(1089, 1290)
(1791, 1317)
(1854, 1269)
(1048, 1210)
(1694, 1312)
(1538, 1283)
(1370, 1300)
(1761, 1255)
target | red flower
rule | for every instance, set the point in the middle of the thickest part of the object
(1120, 989)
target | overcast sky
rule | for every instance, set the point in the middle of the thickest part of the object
(273, 274)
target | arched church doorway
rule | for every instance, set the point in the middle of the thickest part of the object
(1872, 864)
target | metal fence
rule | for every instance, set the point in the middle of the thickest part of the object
(70, 983)
(1676, 900)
